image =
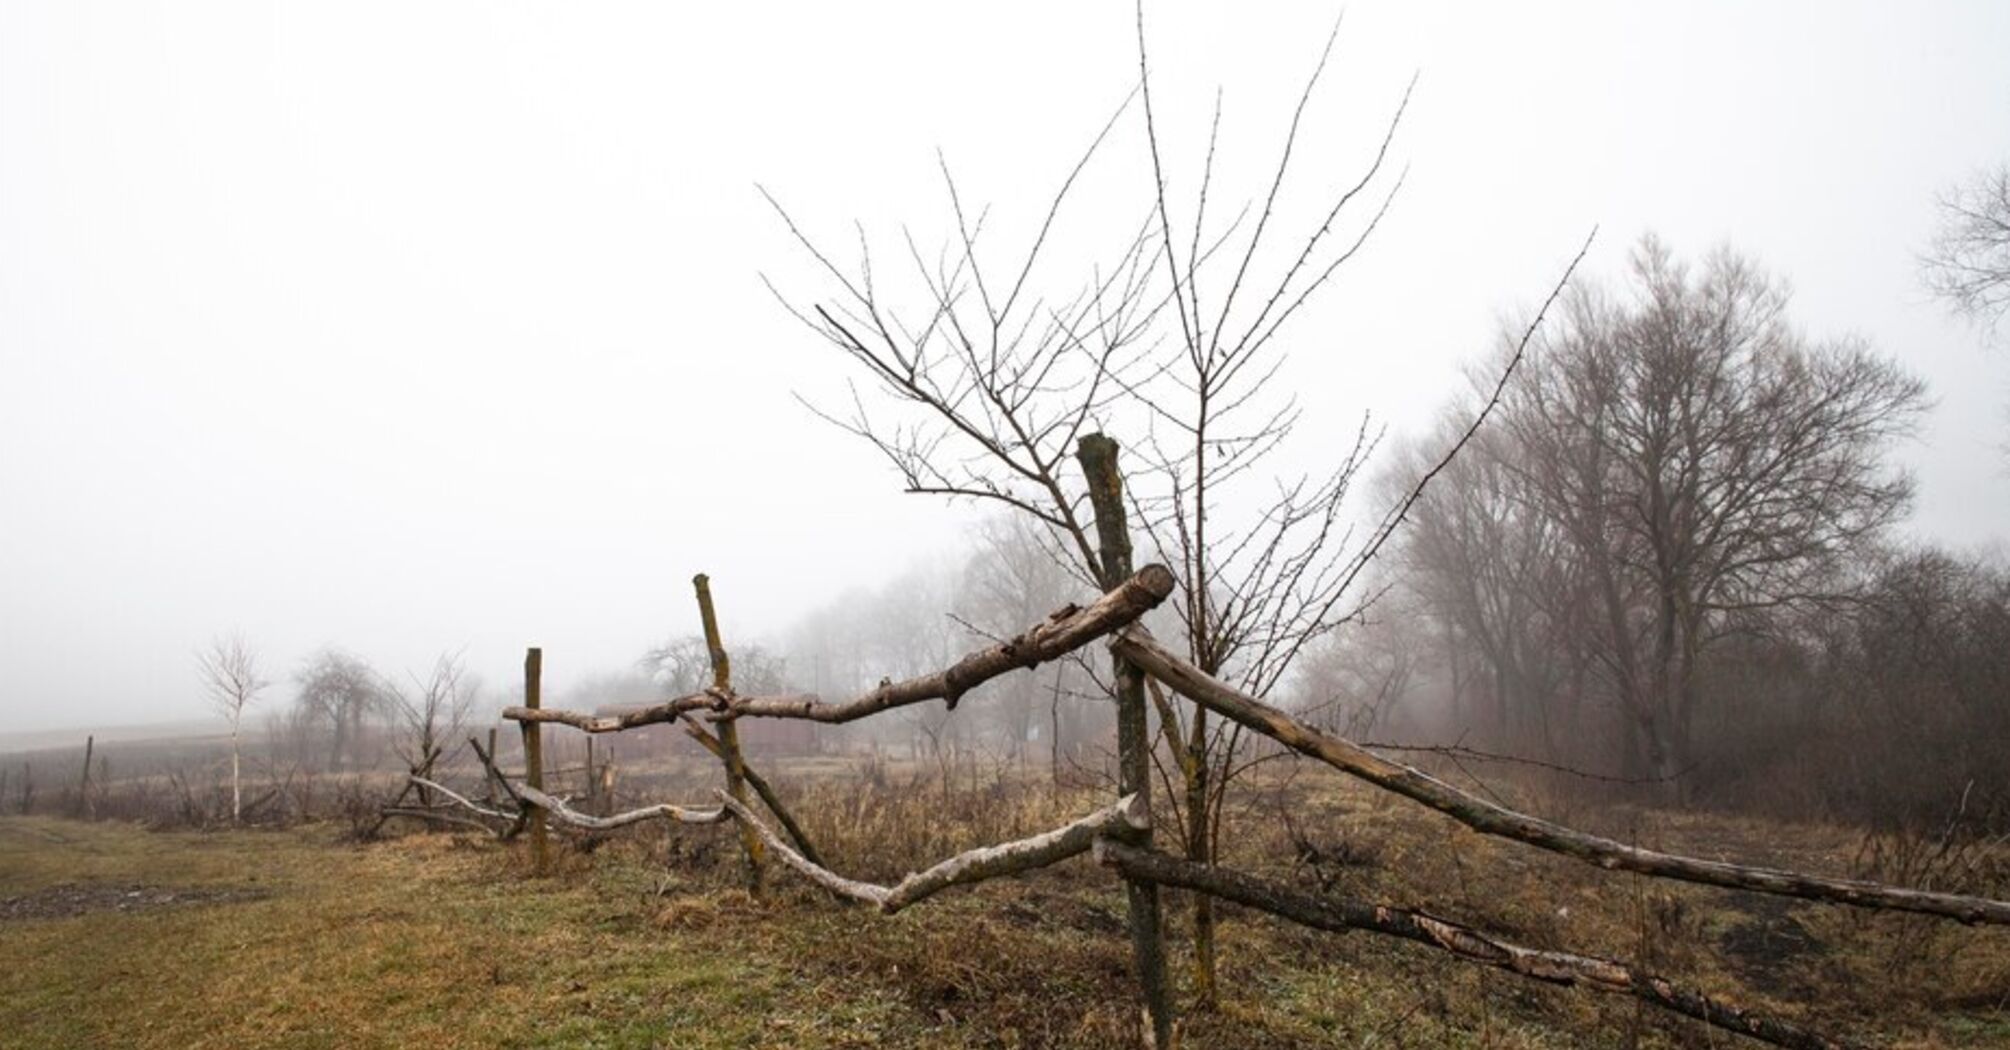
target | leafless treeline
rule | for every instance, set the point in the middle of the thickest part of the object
(1669, 560)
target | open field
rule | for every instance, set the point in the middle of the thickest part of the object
(115, 936)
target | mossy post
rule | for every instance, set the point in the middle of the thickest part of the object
(533, 758)
(1097, 455)
(729, 733)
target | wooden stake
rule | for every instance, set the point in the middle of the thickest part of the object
(761, 788)
(488, 784)
(729, 732)
(84, 789)
(1098, 457)
(533, 758)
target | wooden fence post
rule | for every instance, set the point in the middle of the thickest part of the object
(533, 758)
(489, 783)
(1098, 457)
(84, 803)
(729, 731)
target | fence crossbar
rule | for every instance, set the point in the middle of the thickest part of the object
(1491, 818)
(1065, 630)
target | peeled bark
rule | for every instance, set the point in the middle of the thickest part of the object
(532, 799)
(1340, 914)
(1493, 819)
(977, 865)
(661, 811)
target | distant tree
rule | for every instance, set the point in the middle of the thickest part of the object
(1692, 461)
(1498, 575)
(229, 669)
(1914, 682)
(1969, 262)
(682, 666)
(432, 714)
(1009, 583)
(341, 690)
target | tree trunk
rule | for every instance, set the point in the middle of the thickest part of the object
(1200, 850)
(236, 785)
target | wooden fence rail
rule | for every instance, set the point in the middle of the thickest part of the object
(1494, 819)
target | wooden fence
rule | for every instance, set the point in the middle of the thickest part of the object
(1120, 835)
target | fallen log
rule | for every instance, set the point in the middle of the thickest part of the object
(977, 865)
(1340, 914)
(1493, 819)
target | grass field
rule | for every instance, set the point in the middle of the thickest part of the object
(113, 936)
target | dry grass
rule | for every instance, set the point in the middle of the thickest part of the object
(647, 941)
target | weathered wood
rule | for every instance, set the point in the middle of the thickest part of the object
(1065, 630)
(496, 779)
(986, 862)
(761, 788)
(84, 803)
(489, 786)
(656, 714)
(729, 734)
(1341, 914)
(1097, 455)
(661, 811)
(455, 798)
(1493, 819)
(533, 758)
(532, 799)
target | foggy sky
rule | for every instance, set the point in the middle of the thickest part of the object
(422, 327)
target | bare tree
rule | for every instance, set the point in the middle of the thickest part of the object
(1969, 262)
(1175, 333)
(1506, 590)
(432, 715)
(1693, 461)
(682, 666)
(342, 690)
(229, 669)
